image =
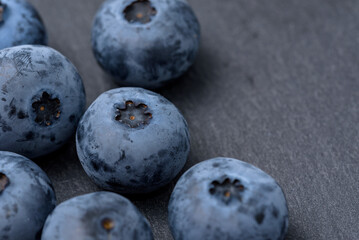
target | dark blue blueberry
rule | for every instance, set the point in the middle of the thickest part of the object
(43, 99)
(97, 216)
(132, 140)
(26, 198)
(145, 42)
(20, 24)
(225, 198)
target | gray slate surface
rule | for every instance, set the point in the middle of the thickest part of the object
(275, 84)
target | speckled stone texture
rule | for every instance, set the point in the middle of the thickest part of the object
(41, 100)
(132, 156)
(26, 199)
(275, 84)
(21, 24)
(225, 198)
(97, 216)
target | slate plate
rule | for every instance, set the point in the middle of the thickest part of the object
(275, 84)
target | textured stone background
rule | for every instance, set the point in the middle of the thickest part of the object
(275, 84)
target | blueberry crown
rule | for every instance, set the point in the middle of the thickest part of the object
(2, 9)
(133, 115)
(4, 182)
(47, 109)
(227, 189)
(108, 224)
(140, 11)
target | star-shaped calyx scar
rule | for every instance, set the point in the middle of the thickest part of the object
(133, 115)
(47, 109)
(227, 189)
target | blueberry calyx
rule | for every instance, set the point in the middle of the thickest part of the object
(47, 109)
(133, 115)
(2, 10)
(140, 11)
(108, 224)
(4, 182)
(226, 189)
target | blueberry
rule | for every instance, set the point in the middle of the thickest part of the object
(145, 42)
(41, 100)
(132, 140)
(225, 198)
(26, 198)
(20, 24)
(96, 216)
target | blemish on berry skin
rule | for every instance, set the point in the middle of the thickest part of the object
(275, 212)
(259, 217)
(29, 136)
(133, 115)
(72, 118)
(21, 115)
(215, 164)
(140, 11)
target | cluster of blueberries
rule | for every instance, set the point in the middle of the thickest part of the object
(130, 140)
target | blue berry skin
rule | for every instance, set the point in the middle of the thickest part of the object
(20, 24)
(26, 198)
(42, 99)
(132, 156)
(97, 216)
(145, 43)
(225, 198)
